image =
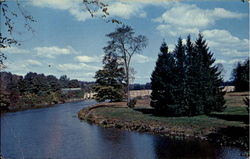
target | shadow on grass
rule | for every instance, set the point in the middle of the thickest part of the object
(146, 110)
(154, 112)
(231, 117)
(237, 136)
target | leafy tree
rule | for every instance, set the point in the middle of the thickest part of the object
(109, 80)
(64, 81)
(74, 84)
(54, 84)
(240, 75)
(124, 44)
(163, 82)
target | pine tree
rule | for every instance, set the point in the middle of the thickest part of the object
(186, 82)
(241, 76)
(109, 80)
(162, 82)
(180, 79)
(209, 80)
(192, 78)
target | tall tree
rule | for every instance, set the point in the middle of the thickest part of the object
(163, 82)
(186, 82)
(180, 91)
(109, 80)
(240, 75)
(209, 79)
(193, 72)
(125, 44)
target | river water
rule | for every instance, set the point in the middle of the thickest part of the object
(57, 133)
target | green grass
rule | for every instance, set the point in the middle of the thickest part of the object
(233, 116)
(196, 123)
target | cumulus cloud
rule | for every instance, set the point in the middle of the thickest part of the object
(123, 9)
(224, 43)
(138, 58)
(220, 61)
(53, 51)
(33, 62)
(15, 50)
(126, 9)
(76, 67)
(87, 59)
(20, 67)
(185, 19)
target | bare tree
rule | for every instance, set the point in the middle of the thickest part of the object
(125, 44)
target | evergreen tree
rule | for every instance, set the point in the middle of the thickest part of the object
(186, 82)
(162, 82)
(209, 80)
(109, 80)
(241, 76)
(180, 79)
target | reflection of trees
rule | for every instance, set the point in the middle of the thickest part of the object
(116, 143)
(166, 147)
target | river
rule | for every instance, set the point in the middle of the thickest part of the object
(57, 133)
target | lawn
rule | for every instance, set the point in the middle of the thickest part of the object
(230, 125)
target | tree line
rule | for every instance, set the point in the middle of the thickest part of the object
(34, 89)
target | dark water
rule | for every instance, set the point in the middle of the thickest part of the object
(56, 133)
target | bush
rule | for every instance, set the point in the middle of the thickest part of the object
(132, 103)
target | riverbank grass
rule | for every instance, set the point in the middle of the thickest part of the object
(234, 115)
(229, 125)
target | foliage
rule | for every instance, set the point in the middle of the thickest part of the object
(186, 81)
(162, 81)
(124, 44)
(109, 80)
(138, 86)
(240, 75)
(132, 103)
(36, 89)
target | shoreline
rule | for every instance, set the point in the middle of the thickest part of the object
(214, 134)
(45, 105)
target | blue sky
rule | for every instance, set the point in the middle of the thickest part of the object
(71, 42)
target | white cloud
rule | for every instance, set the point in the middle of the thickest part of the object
(138, 58)
(123, 9)
(224, 43)
(20, 67)
(75, 67)
(15, 50)
(53, 51)
(33, 62)
(126, 9)
(183, 19)
(235, 61)
(87, 58)
(220, 61)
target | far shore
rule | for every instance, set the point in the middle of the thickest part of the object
(44, 105)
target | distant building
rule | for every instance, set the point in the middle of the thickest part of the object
(67, 90)
(228, 89)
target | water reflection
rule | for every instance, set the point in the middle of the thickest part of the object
(55, 133)
(180, 148)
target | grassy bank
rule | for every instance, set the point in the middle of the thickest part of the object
(230, 126)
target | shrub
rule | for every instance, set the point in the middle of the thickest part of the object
(131, 103)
